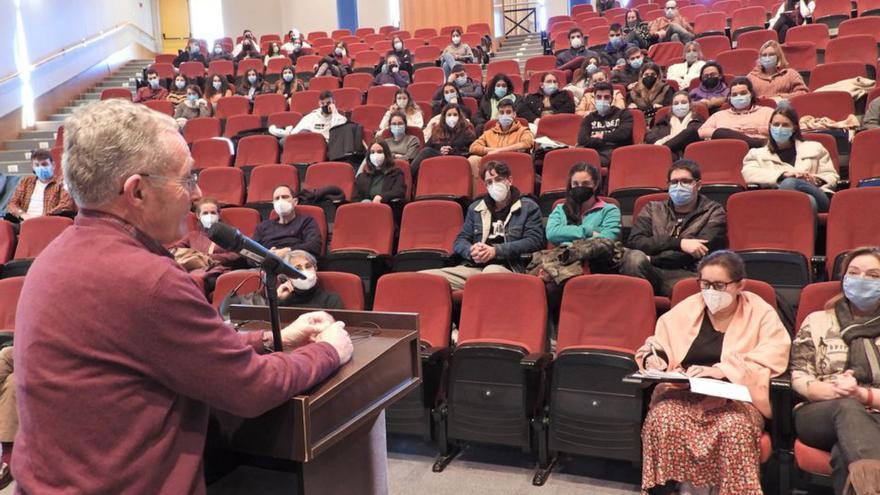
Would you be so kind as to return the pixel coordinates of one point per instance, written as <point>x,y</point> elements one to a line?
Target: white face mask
<point>377,159</point>
<point>282,207</point>
<point>498,191</point>
<point>451,121</point>
<point>716,300</point>
<point>209,219</point>
<point>305,283</point>
<point>456,40</point>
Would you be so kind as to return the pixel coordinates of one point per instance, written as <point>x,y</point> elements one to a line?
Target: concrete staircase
<point>520,48</point>
<point>15,154</point>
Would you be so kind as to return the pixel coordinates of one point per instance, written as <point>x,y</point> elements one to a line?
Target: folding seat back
<point>540,63</point>
<point>7,242</point>
<point>774,233</point>
<point>580,9</point>
<point>747,19</point>
<point>256,150</point>
<point>369,116</point>
<point>305,147</point>
<point>603,320</point>
<point>161,106</point>
<point>522,171</point>
<point>222,67</point>
<point>339,33</point>
<point>241,123</point>
<point>283,119</point>
<point>712,45</point>
<point>247,64</point>
<point>692,11</point>
<point>712,23</point>
<point>720,163</point>
<point>848,227</point>
<point>201,128</point>
<point>814,33</point>
<point>305,64</point>
<point>277,66</point>
<point>832,12</point>
<point>637,170</point>
<point>801,55</point>
<point>814,298</point>
<point>339,174</point>
<point>345,285</point>
<point>192,70</point>
<point>597,37</point>
<point>426,54</point>
<point>481,28</point>
<point>738,62</point>
<point>244,219</point>
<point>240,282</point>
<point>324,83</point>
<point>427,233</point>
<point>164,70</point>
<point>554,177</point>
<point>666,52</point>
<point>347,99</point>
<point>588,24</point>
<point>265,178</point>
<point>226,185</point>
<point>444,177</point>
<point>426,295</point>
<point>689,286</point>
<point>304,102</point>
<point>829,143</point>
<point>754,39</point>
<point>381,95</point>
<point>10,290</point>
<point>640,125</point>
<point>422,91</point>
<point>363,227</point>
<point>838,105</point>
<point>561,127</point>
<point>862,25</point>
<point>165,58</point>
<point>864,161</point>
<point>267,104</point>
<point>508,67</point>
<point>213,152</point>
<point>854,48</point>
<point>425,33</point>
<point>232,105</point>
<point>359,80</point>
<point>828,73</point>
<point>36,233</point>
<point>429,74</point>
<point>122,93</point>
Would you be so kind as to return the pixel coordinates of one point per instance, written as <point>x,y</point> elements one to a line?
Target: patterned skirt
<point>683,442</point>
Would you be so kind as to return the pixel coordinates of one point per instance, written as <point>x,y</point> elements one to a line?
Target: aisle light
<point>206,20</point>
<point>24,67</point>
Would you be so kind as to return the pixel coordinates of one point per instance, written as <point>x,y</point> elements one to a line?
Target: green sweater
<point>603,218</point>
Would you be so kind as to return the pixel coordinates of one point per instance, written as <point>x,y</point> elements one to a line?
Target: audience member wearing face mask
<point>788,161</point>
<point>177,95</point>
<point>677,128</point>
<point>456,52</point>
<point>392,74</point>
<point>288,84</point>
<point>403,103</point>
<point>685,72</point>
<point>499,88</point>
<point>587,105</point>
<point>672,26</point>
<point>744,120</point>
<point>404,56</point>
<point>379,179</point>
<point>193,106</point>
<point>651,92</point>
<point>288,230</point>
<point>199,255</point>
<point>669,238</point>
<point>628,73</point>
<point>772,77</point>
<point>571,57</point>
<point>834,369</point>
<point>40,194</point>
<point>252,84</point>
<point>192,53</point>
<point>337,63</point>
<point>320,120</point>
<point>452,136</point>
<point>403,146</point>
<point>724,332</point>
<point>153,90</point>
<point>713,90</point>
<point>508,134</point>
<point>608,127</point>
<point>547,99</point>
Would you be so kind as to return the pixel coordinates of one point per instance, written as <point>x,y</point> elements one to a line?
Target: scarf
<point>863,356</point>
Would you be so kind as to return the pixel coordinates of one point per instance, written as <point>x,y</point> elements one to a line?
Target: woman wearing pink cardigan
<point>695,443</point>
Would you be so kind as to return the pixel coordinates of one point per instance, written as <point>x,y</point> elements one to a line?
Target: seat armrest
<point>781,403</point>
<point>535,381</point>
<point>435,366</point>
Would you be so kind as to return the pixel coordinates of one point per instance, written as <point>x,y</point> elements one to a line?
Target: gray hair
<point>696,45</point>
<point>107,142</point>
<point>299,253</point>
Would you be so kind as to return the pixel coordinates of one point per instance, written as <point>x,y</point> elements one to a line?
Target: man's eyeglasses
<point>681,182</point>
<point>705,284</point>
<point>188,181</point>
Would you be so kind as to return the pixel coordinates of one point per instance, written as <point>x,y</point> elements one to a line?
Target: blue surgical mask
<point>603,106</point>
<point>740,102</point>
<point>217,85</point>
<point>154,83</point>
<point>592,68</point>
<point>398,130</point>
<point>781,134</point>
<point>615,41</point>
<point>460,81</point>
<point>549,89</point>
<point>768,62</point>
<point>287,76</point>
<point>44,173</point>
<point>636,63</point>
<point>192,98</point>
<point>180,84</point>
<point>681,194</point>
<point>252,79</point>
<point>500,91</point>
<point>863,293</point>
<point>681,109</point>
<point>450,97</point>
<point>505,120</point>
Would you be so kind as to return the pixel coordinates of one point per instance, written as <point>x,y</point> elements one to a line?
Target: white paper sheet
<point>660,375</point>
<point>718,388</point>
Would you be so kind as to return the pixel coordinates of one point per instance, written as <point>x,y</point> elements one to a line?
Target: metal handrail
<point>81,44</point>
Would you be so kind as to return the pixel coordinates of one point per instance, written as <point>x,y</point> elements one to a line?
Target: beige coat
<point>760,166</point>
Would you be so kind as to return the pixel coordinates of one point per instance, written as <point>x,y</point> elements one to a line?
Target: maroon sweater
<point>118,358</point>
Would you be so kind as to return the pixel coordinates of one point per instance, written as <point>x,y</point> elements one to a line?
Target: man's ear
<point>295,201</point>
<point>132,189</point>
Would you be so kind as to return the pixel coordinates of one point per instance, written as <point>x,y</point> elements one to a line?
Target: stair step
<point>47,125</point>
<point>44,135</point>
<point>15,155</point>
<point>29,144</point>
<point>18,167</point>
<point>59,117</point>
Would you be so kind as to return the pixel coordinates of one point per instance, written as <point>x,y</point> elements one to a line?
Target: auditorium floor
<point>490,470</point>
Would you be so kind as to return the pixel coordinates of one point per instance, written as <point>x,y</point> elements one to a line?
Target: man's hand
<point>280,252</point>
<point>598,135</point>
<point>336,336</point>
<point>304,329</point>
<point>445,149</point>
<point>695,247</point>
<point>394,108</point>
<point>285,290</point>
<point>845,385</point>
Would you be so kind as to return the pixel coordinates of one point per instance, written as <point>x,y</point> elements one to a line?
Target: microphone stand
<point>270,276</point>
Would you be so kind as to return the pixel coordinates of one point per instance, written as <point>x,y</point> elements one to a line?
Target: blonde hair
<point>107,142</point>
<point>696,45</point>
<point>781,61</point>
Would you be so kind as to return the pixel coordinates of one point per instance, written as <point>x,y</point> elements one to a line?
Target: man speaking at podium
<point>118,356</point>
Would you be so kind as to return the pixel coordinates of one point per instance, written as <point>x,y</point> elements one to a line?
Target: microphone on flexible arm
<point>231,239</point>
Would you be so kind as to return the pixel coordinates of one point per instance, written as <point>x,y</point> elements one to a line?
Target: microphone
<point>232,239</point>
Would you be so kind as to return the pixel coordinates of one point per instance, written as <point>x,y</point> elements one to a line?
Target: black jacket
<point>460,141</point>
<point>393,185</point>
<point>658,233</point>
<point>532,105</point>
<point>346,141</point>
<point>617,126</point>
<point>186,56</point>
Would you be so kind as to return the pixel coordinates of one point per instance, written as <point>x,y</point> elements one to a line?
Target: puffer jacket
<point>496,137</point>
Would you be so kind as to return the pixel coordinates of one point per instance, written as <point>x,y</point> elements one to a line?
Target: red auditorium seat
<point>222,67</point>
<point>868,8</point>
<point>246,281</point>
<point>229,106</point>
<point>161,106</point>
<point>540,63</point>
<point>854,48</point>
<point>165,71</point>
<point>247,64</point>
<point>265,178</point>
<point>303,148</point>
<point>358,80</point>
<point>241,123</point>
<point>37,233</point>
<point>423,294</point>
<point>363,236</point>
<point>201,128</point>
<point>192,70</point>
<point>637,170</point>
<point>369,116</point>
<point>256,150</point>
<point>863,162</point>
<point>7,242</point>
<point>813,33</point>
<point>381,95</point>
<point>561,127</point>
<point>508,67</point>
<point>597,37</point>
<point>837,105</point>
<point>554,176</point>
<point>738,62</point>
<point>346,285</point>
<point>756,38</point>
<point>830,144</point>
<point>848,227</point>
<point>425,33</point>
<point>720,163</point>
<point>832,12</point>
<point>212,152</point>
<point>713,23</point>
<point>444,177</point>
<point>277,65</point>
<point>347,99</point>
<point>422,91</point>
<point>429,74</point>
<point>305,64</point>
<point>165,58</point>
<point>825,74</point>
<point>426,55</point>
<point>747,19</point>
<point>324,83</point>
<point>304,102</point>
<point>244,219</point>
<point>339,174</point>
<point>801,55</point>
<point>427,232</point>
<point>666,53</point>
<point>122,93</point>
<point>284,119</point>
<point>267,104</point>
<point>226,185</point>
<point>10,290</point>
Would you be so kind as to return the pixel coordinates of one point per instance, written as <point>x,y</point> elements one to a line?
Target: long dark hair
<point>442,132</point>
<point>371,169</point>
<point>788,112</point>
<point>490,88</point>
<point>571,208</point>
<point>209,85</point>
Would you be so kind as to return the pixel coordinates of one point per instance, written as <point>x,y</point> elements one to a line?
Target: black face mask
<point>580,193</point>
<point>711,82</point>
<point>325,109</point>
<point>649,81</point>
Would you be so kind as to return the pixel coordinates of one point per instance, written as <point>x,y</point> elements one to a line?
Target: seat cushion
<point>766,447</point>
<point>812,460</point>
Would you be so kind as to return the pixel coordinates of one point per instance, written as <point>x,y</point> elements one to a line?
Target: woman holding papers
<point>834,366</point>
<point>693,443</point>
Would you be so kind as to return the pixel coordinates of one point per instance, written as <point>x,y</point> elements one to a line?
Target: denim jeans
<point>842,426</point>
<point>817,195</point>
<point>447,61</point>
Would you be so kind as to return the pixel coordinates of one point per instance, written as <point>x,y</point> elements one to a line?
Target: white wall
<point>308,15</point>
<point>373,13</point>
<point>261,16</point>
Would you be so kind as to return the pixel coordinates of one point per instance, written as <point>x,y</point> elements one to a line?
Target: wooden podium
<point>335,433</point>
